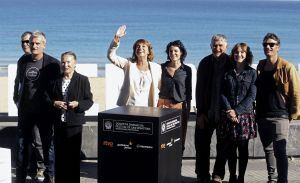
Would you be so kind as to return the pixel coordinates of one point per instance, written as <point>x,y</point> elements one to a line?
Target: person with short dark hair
<point>176,83</point>
<point>71,96</point>
<point>210,74</point>
<point>278,103</point>
<point>237,123</point>
<point>34,72</point>
<point>141,75</point>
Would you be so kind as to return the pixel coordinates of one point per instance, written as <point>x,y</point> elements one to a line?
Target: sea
<point>88,26</point>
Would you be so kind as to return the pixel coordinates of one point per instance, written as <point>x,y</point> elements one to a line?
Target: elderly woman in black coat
<point>71,96</point>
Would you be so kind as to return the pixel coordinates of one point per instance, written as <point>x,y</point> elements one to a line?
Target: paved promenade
<point>256,171</point>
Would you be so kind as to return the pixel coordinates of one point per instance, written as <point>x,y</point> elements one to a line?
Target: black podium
<point>139,145</point>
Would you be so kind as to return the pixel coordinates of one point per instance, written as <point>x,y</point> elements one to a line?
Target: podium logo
<point>163,128</point>
<point>169,144</point>
<point>107,143</point>
<point>128,146</point>
<point>122,126</point>
<point>170,124</point>
<point>107,125</point>
<point>140,146</point>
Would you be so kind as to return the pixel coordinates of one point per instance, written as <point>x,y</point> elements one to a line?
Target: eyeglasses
<point>25,41</point>
<point>270,44</point>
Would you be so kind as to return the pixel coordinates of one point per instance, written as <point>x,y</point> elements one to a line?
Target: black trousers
<point>67,143</point>
<point>184,119</point>
<point>242,147</point>
<point>26,123</point>
<point>202,145</point>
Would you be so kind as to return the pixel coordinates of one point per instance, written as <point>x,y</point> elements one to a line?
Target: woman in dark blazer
<point>71,96</point>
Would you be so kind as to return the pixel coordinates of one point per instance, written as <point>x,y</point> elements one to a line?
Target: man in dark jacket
<point>209,76</point>
<point>34,73</point>
<point>36,158</point>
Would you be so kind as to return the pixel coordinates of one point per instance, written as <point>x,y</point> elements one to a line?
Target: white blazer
<point>127,87</point>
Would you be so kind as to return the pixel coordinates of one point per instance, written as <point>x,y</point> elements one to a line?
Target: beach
<point>87,27</point>
<point>97,87</point>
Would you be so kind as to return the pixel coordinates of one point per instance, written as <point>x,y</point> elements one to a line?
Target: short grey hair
<point>218,37</point>
<point>39,34</point>
<point>25,34</point>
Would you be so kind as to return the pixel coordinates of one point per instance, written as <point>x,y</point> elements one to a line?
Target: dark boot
<point>233,179</point>
<point>216,179</point>
<point>203,180</point>
<point>241,179</point>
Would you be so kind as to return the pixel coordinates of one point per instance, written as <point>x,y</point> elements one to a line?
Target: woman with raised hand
<point>141,76</point>
<point>237,124</point>
<point>176,83</point>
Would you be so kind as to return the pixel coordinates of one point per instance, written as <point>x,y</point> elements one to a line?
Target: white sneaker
<point>40,176</point>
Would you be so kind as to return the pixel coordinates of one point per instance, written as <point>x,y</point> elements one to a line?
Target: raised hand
<point>121,31</point>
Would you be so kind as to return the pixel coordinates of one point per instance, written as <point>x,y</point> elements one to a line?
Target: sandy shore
<point>97,85</point>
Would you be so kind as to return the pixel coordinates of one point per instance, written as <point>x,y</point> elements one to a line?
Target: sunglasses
<point>270,44</point>
<point>25,41</point>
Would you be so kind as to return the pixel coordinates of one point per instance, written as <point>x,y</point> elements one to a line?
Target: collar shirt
<point>178,87</point>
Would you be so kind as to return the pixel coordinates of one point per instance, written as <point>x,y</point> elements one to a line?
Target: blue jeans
<point>25,127</point>
<point>36,157</point>
<point>273,135</point>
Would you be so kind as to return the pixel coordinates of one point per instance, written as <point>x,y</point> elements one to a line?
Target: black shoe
<point>232,179</point>
<point>241,179</point>
<point>202,180</point>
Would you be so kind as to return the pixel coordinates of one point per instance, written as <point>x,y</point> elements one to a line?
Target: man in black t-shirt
<point>34,73</point>
<point>278,102</point>
<point>36,158</point>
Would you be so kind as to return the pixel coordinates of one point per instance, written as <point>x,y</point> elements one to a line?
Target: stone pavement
<point>256,171</point>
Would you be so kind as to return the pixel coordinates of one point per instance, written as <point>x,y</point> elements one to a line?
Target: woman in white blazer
<point>141,76</point>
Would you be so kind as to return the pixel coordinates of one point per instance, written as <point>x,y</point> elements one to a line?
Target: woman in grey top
<point>176,83</point>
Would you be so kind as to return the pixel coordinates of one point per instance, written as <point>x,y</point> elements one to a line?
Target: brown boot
<point>216,179</point>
